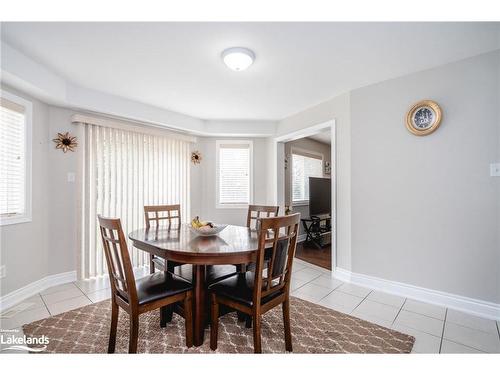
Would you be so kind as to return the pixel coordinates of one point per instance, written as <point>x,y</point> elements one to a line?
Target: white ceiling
<point>323,137</point>
<point>177,66</point>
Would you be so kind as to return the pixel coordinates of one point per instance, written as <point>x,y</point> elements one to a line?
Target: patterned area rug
<point>315,329</point>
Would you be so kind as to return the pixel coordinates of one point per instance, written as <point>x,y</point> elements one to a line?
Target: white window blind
<point>303,167</point>
<point>234,173</point>
<point>13,161</point>
<point>125,170</point>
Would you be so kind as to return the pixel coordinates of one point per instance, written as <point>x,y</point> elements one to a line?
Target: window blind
<point>304,167</point>
<point>125,170</point>
<point>12,159</point>
<point>234,173</point>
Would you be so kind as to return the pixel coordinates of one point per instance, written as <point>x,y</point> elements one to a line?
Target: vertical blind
<point>125,170</point>
<point>12,159</point>
<point>234,173</point>
<point>303,167</point>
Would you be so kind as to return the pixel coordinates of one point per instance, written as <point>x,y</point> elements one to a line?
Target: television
<point>320,196</point>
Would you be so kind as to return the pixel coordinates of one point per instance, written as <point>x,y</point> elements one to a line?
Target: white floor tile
<point>297,283</point>
<point>339,301</point>
<point>327,281</point>
<point>424,342</point>
<point>453,347</point>
<point>386,299</point>
<point>307,273</point>
<point>298,266</point>
<point>354,290</point>
<point>58,288</point>
<point>423,308</point>
<point>314,292</point>
<point>93,284</point>
<point>471,321</point>
<point>32,303</point>
<point>372,319</point>
<point>99,295</point>
<point>67,305</point>
<point>486,342</point>
<point>24,317</point>
<point>377,310</point>
<point>420,322</point>
<point>62,295</point>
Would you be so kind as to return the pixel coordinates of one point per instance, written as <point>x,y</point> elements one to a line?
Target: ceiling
<point>177,66</point>
<point>323,137</point>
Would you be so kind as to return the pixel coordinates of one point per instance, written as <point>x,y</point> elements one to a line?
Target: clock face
<point>423,118</point>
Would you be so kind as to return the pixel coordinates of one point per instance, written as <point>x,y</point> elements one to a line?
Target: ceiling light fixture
<point>238,58</point>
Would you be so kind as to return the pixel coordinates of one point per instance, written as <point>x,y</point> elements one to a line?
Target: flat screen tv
<point>320,196</point>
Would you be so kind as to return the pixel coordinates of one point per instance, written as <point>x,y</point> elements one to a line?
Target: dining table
<point>233,245</point>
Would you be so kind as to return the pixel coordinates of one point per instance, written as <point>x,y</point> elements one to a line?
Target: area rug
<point>315,329</point>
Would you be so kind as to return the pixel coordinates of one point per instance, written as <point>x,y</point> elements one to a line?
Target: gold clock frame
<point>424,103</point>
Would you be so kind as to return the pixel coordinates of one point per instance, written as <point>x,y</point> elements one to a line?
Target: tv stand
<point>316,229</point>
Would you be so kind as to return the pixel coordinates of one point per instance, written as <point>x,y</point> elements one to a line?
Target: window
<point>15,159</point>
<point>304,165</point>
<point>234,173</point>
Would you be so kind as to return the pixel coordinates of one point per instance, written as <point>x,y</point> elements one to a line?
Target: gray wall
<point>424,209</point>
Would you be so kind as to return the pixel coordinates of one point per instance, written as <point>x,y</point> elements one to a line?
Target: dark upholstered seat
<point>160,285</point>
<point>240,288</point>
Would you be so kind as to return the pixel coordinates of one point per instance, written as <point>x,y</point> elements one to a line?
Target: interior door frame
<point>306,132</point>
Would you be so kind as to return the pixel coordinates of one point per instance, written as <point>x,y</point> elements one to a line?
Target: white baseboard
<point>473,306</point>
<point>19,295</point>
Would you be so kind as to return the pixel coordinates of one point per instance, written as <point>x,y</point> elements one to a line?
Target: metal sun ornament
<point>65,142</point>
<point>196,157</point>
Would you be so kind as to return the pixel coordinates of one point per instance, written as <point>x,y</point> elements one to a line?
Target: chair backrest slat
<point>172,211</point>
<point>118,259</point>
<point>255,213</point>
<point>282,232</point>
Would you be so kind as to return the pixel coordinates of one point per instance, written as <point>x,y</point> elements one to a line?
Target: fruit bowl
<point>208,231</point>
<point>205,228</point>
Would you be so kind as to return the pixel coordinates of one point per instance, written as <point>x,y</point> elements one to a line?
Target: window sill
<point>14,220</point>
<point>300,203</point>
<point>231,206</point>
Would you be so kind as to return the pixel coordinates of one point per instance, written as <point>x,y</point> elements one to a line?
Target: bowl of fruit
<point>205,228</point>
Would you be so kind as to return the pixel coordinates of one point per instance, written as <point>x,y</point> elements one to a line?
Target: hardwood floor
<point>311,254</point>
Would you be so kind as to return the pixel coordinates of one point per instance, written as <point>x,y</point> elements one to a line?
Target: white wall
<point>424,209</point>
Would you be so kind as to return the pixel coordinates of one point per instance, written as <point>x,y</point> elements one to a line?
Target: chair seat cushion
<point>240,288</point>
<point>212,273</point>
<point>160,285</point>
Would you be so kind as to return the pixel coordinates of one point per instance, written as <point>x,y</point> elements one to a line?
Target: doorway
<point>306,184</point>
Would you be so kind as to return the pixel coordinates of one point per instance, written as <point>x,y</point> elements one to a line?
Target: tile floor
<point>436,329</point>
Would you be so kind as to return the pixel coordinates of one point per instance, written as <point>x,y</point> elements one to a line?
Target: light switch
<point>71,176</point>
<point>495,169</point>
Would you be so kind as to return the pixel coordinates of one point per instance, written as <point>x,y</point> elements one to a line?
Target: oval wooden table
<point>234,245</point>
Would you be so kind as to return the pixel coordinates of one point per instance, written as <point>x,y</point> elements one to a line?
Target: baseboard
<point>473,306</point>
<point>19,295</point>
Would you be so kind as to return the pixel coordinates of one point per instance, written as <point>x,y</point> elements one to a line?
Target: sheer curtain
<point>125,170</point>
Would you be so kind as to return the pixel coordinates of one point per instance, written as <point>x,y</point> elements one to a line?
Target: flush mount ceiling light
<point>238,58</point>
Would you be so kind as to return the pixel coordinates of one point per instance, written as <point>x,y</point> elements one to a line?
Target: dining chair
<point>255,212</point>
<point>170,213</point>
<point>137,297</point>
<point>255,292</point>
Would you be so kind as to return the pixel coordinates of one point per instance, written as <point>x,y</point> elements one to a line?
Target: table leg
<point>199,303</point>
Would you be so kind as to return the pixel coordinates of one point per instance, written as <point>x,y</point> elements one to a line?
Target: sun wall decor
<point>196,157</point>
<point>65,142</point>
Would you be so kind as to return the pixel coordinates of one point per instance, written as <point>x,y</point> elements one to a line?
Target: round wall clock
<point>424,117</point>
